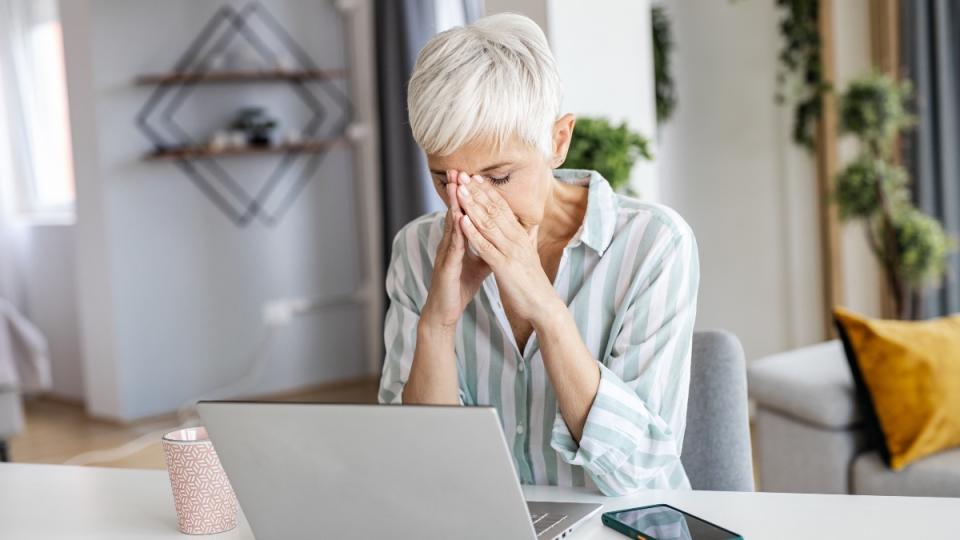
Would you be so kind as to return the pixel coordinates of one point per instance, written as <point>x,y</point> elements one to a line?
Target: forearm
<point>573,372</point>
<point>433,373</point>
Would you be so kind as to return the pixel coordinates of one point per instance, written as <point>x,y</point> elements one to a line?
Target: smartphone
<point>664,522</point>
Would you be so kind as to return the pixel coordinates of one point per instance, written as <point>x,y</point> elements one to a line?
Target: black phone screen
<point>662,522</point>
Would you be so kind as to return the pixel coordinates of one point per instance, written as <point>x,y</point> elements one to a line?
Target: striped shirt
<point>629,276</point>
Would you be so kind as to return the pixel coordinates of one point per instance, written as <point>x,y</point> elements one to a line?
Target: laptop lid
<point>368,471</point>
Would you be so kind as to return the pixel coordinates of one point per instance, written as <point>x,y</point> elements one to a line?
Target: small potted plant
<point>257,126</point>
<point>608,149</point>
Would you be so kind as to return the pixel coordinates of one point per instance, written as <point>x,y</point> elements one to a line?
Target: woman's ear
<point>562,135</point>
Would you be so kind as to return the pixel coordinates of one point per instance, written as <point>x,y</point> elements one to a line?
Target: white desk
<point>55,501</point>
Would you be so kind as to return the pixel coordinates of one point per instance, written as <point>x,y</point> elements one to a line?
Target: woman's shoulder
<point>658,236</point>
<point>637,213</point>
<point>419,236</point>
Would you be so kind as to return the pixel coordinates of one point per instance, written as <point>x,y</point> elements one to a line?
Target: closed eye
<point>499,180</point>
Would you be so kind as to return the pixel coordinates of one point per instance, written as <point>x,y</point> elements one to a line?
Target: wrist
<point>549,315</point>
<point>430,328</point>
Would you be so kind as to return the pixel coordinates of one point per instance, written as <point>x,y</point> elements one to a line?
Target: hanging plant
<point>800,77</point>
<point>911,246</point>
<point>666,92</point>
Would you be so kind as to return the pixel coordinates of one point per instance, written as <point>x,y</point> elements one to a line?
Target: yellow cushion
<point>911,371</point>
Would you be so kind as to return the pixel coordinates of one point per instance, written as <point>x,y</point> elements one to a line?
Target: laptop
<point>306,470</point>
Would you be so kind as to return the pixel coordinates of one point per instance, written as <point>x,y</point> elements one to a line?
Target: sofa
<point>810,435</point>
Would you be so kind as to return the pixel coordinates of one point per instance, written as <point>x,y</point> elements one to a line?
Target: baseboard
<point>316,387</point>
<point>284,395</point>
<point>54,398</point>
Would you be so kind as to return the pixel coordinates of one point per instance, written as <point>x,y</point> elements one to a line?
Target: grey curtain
<point>403,28</point>
<point>930,42</point>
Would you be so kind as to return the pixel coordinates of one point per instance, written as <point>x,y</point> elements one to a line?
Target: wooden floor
<point>56,431</point>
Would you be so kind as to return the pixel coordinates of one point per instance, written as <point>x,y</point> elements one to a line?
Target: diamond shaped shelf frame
<point>197,162</point>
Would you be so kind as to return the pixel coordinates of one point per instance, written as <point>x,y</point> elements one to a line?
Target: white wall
<point>170,290</point>
<point>538,10</point>
<point>95,304</point>
<point>47,254</point>
<point>729,167</point>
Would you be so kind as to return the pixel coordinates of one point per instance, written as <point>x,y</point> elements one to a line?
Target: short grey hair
<point>494,78</point>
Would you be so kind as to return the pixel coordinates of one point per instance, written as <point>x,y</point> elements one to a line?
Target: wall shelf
<point>212,77</point>
<point>205,152</point>
<point>296,163</point>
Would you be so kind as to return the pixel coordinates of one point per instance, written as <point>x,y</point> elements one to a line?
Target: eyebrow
<point>486,169</point>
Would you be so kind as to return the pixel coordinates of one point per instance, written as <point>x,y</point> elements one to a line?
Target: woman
<point>539,292</point>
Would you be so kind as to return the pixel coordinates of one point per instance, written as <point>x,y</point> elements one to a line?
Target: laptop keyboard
<point>542,522</point>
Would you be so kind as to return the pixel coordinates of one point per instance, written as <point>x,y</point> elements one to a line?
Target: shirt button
<point>520,429</point>
<point>520,366</point>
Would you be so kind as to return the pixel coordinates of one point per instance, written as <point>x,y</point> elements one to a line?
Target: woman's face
<point>522,174</point>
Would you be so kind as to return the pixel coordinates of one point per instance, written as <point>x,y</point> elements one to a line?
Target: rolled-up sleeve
<point>633,434</point>
<point>404,285</point>
<point>400,324</point>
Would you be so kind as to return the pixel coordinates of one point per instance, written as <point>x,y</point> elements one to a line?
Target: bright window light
<point>53,190</point>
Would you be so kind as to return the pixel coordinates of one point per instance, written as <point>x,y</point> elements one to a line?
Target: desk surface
<point>56,501</point>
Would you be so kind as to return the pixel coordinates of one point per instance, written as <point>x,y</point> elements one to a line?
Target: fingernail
<point>466,221</point>
<point>464,178</point>
<point>478,178</point>
<point>463,192</point>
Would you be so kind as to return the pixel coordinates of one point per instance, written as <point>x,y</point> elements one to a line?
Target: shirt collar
<point>600,219</point>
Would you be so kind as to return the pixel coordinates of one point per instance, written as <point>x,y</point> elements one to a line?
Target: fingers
<point>457,242</point>
<point>488,252</point>
<point>489,212</point>
<point>452,239</point>
<point>445,241</point>
<point>452,176</point>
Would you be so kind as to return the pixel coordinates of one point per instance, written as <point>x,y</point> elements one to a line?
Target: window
<point>37,113</point>
<point>52,190</point>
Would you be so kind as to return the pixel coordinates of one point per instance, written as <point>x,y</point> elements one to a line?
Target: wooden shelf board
<point>205,152</point>
<point>239,76</point>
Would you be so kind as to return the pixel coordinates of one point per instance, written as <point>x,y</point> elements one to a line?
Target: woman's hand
<point>493,230</point>
<point>457,274</point>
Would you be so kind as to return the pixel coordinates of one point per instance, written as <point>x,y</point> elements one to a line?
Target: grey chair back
<point>716,444</point>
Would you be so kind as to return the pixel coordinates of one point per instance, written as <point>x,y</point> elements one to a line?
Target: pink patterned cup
<point>202,493</point>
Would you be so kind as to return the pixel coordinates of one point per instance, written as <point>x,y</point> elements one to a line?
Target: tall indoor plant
<point>911,246</point>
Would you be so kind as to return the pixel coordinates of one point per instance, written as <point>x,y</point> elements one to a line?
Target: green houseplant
<point>911,246</point>
<point>608,149</point>
<point>800,77</point>
<point>664,88</point>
